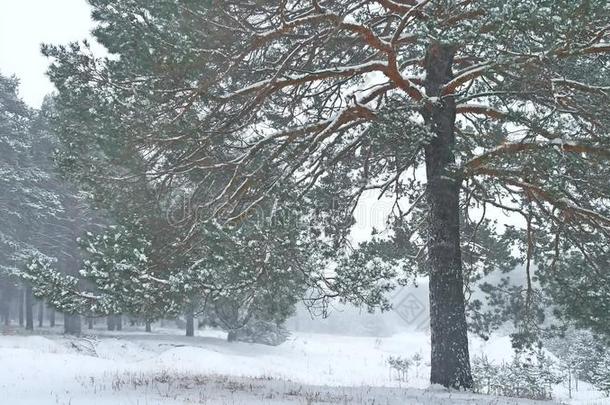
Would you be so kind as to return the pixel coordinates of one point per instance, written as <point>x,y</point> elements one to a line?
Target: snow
<point>374,65</point>
<point>132,367</point>
<point>464,76</point>
<point>479,107</point>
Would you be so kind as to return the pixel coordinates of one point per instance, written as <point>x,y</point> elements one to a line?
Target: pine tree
<point>141,267</point>
<point>20,203</point>
<point>579,283</point>
<point>501,103</point>
<point>40,215</point>
<point>27,201</point>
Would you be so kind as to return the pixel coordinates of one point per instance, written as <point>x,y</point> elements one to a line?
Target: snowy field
<point>132,367</point>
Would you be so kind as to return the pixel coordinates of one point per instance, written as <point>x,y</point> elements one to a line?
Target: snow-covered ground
<point>133,367</point>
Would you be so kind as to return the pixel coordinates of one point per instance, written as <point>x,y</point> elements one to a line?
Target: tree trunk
<point>21,304</point>
<point>190,323</point>
<point>90,323</point>
<point>118,321</point>
<point>72,324</point>
<point>450,362</point>
<point>110,322</point>
<point>6,311</point>
<point>40,313</point>
<point>29,310</point>
<point>148,327</point>
<point>51,312</point>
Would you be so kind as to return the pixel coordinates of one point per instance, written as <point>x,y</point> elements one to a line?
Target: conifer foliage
<point>40,215</point>
<point>502,104</point>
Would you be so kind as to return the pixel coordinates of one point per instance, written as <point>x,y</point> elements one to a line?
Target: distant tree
<point>40,313</point>
<point>156,260</point>
<point>29,309</point>
<point>585,356</point>
<point>579,283</point>
<point>39,213</point>
<point>18,175</point>
<point>256,271</point>
<point>27,201</point>
<point>190,322</point>
<point>20,202</point>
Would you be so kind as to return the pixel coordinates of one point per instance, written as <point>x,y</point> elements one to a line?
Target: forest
<point>247,191</point>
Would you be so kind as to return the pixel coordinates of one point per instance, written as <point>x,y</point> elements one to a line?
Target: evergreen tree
<point>39,213</point>
<point>117,265</point>
<point>28,201</point>
<point>585,356</point>
<point>579,282</point>
<point>23,201</point>
<point>501,103</point>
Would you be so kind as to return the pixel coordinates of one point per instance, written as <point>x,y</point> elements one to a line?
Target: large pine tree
<point>455,105</point>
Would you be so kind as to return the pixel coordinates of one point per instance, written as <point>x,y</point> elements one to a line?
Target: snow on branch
<point>464,77</point>
<point>597,48</point>
<point>273,84</point>
<point>567,206</point>
<point>399,7</point>
<point>582,86</point>
<point>368,35</point>
<point>480,109</point>
<point>471,167</point>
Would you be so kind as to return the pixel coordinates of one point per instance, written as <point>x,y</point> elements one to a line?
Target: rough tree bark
<point>29,310</point>
<point>450,362</point>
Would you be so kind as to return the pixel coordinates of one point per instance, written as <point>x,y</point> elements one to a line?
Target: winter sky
<point>24,25</point>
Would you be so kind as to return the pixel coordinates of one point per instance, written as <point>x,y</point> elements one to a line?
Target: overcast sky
<point>24,25</point>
